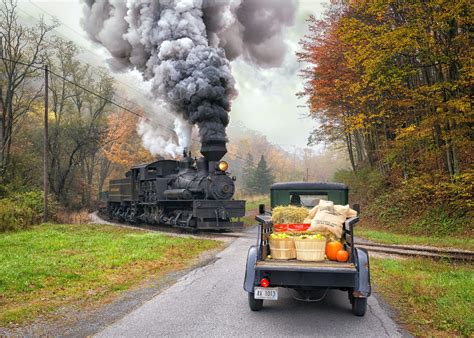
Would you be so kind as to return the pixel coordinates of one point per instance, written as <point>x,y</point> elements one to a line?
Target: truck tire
<point>359,306</point>
<point>255,304</point>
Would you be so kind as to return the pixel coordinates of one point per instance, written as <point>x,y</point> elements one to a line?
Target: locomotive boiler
<point>190,193</point>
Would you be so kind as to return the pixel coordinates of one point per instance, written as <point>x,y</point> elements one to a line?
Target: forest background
<point>92,140</point>
<point>392,80</point>
<point>387,84</point>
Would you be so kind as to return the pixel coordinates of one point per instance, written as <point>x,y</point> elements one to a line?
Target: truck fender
<point>249,281</point>
<point>363,267</point>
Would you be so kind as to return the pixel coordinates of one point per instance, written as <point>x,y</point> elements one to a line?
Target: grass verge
<point>50,265</point>
<point>253,202</point>
<point>251,208</point>
<point>433,298</point>
<point>387,237</point>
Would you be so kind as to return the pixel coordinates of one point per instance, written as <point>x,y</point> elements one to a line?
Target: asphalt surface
<point>210,301</point>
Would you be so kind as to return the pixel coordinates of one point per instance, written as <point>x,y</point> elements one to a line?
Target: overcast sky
<point>266,100</point>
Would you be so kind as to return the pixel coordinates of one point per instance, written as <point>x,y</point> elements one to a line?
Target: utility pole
<point>307,174</point>
<point>1,108</point>
<point>45,148</point>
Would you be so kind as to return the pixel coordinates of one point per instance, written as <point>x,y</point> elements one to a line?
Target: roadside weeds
<point>431,298</point>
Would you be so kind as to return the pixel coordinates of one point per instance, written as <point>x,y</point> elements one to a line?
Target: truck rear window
<point>308,201</point>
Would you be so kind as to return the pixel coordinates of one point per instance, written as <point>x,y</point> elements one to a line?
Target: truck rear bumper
<point>310,279</point>
<point>298,274</point>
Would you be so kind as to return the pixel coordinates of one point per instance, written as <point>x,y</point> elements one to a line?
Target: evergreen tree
<point>263,177</point>
<point>248,173</point>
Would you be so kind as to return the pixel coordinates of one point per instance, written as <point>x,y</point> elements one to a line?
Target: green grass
<point>49,265</point>
<point>253,202</point>
<point>387,237</point>
<point>432,297</point>
<point>251,208</point>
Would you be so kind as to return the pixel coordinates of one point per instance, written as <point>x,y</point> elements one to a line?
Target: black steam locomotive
<point>193,194</point>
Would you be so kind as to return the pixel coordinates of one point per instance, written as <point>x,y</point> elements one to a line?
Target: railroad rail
<point>418,251</point>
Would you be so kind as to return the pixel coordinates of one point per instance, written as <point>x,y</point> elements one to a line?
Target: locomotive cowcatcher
<point>190,193</point>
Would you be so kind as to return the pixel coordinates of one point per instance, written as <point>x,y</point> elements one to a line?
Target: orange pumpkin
<point>332,248</point>
<point>342,256</point>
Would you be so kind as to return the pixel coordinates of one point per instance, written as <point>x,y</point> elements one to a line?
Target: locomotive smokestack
<point>213,150</point>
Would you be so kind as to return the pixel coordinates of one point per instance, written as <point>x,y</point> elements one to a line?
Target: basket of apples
<point>282,246</point>
<point>310,247</point>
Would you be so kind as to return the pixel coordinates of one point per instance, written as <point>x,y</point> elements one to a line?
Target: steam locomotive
<point>190,193</point>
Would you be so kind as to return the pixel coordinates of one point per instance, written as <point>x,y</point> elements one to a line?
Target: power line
<point>80,35</point>
<point>79,86</point>
<point>91,52</point>
<point>97,95</point>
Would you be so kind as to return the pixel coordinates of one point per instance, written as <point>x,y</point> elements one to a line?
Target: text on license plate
<point>266,293</point>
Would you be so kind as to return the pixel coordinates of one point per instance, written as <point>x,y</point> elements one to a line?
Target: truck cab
<point>265,276</point>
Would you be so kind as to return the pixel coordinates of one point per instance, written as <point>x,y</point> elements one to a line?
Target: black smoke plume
<point>184,47</point>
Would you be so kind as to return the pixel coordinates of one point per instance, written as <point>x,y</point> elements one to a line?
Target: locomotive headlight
<point>223,166</point>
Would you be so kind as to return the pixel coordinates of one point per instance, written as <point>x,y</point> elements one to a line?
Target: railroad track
<point>418,251</point>
<point>98,218</point>
<point>390,249</point>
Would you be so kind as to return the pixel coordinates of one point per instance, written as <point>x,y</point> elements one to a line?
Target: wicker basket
<point>310,250</point>
<point>282,248</point>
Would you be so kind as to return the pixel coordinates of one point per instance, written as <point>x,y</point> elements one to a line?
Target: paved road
<point>210,301</point>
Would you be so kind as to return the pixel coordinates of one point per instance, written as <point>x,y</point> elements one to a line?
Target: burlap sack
<point>330,218</point>
<point>325,205</point>
<point>345,210</point>
<point>351,213</point>
<point>313,212</point>
<point>326,220</point>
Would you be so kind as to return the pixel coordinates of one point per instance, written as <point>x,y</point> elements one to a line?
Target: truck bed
<point>301,266</point>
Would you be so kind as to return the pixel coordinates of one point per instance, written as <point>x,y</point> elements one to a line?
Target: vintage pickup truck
<point>264,276</point>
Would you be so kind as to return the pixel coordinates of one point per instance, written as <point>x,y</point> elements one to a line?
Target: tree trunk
<point>350,151</point>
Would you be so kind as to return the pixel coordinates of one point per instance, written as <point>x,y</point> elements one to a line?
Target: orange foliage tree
<point>121,146</point>
<point>392,80</point>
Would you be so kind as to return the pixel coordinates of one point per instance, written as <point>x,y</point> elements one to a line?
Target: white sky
<point>266,100</point>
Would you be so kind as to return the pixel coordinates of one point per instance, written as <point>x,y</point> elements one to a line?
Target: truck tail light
<point>264,282</point>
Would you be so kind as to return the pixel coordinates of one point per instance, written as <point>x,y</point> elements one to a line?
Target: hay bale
<point>289,215</point>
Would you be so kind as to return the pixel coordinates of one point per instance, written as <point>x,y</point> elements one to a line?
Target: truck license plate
<point>266,293</point>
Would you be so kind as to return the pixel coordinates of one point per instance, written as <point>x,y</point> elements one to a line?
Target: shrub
<point>64,216</point>
<point>23,209</point>
<point>15,217</point>
<point>424,204</point>
<point>364,185</point>
<point>34,201</point>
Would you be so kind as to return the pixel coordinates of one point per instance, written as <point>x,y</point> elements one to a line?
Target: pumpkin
<point>342,256</point>
<point>332,248</point>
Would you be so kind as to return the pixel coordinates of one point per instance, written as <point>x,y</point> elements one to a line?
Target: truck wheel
<point>255,304</point>
<point>359,306</point>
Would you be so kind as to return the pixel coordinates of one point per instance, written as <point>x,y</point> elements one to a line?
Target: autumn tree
<point>22,52</point>
<point>78,122</point>
<point>121,146</point>
<point>392,81</point>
